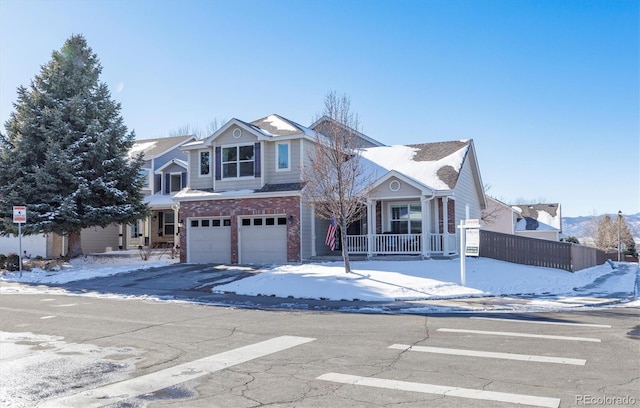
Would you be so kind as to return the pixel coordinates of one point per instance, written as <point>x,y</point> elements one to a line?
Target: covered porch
<point>425,226</point>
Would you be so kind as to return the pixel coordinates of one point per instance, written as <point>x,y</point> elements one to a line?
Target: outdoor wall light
<point>290,219</point>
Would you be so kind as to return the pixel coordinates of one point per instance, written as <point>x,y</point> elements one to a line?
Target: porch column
<point>371,226</point>
<point>313,230</point>
<point>426,241</point>
<point>445,225</point>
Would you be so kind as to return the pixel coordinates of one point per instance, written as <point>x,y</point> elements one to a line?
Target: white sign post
<point>469,244</point>
<point>20,217</point>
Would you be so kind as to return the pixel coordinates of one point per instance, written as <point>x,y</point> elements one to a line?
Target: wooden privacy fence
<point>538,252</point>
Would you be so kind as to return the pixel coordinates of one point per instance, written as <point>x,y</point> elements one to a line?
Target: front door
<point>136,235</point>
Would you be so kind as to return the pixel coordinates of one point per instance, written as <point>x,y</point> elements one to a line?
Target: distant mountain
<point>584,227</point>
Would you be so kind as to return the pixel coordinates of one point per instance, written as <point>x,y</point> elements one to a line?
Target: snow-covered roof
<point>151,148</point>
<point>545,214</point>
<point>276,125</point>
<point>435,165</point>
<point>159,200</point>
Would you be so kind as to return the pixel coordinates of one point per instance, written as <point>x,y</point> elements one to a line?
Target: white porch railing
<point>400,244</point>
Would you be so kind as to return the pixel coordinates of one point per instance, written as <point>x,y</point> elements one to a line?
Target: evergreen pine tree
<point>65,153</point>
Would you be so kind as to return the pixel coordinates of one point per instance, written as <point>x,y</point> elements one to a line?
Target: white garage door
<point>263,240</point>
<point>209,240</point>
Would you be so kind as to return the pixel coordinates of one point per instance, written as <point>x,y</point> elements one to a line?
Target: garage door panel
<point>263,243</point>
<point>209,241</point>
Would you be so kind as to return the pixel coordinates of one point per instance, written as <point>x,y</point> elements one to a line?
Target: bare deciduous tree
<point>188,129</point>
<point>336,181</point>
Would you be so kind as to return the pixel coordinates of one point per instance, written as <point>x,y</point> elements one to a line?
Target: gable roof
<point>435,165</point>
<point>325,119</point>
<point>170,163</point>
<point>276,125</point>
<point>152,148</point>
<point>546,216</point>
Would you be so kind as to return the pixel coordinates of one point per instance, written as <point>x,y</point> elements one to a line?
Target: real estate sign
<point>19,214</point>
<point>472,241</point>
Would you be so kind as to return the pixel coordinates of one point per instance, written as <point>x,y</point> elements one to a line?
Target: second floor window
<point>283,156</point>
<point>238,161</point>
<point>205,163</point>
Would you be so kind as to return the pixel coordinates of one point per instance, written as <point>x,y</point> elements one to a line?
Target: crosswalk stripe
<point>529,335</point>
<point>489,354</point>
<point>444,390</point>
<point>158,380</point>
<point>606,326</point>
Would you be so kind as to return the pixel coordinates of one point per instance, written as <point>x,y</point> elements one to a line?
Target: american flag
<point>331,235</point>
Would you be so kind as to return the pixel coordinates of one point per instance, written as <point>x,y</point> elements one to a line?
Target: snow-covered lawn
<point>378,280</point>
<point>429,279</point>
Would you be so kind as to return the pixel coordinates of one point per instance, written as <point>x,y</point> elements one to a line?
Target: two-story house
<point>244,201</point>
<point>165,170</point>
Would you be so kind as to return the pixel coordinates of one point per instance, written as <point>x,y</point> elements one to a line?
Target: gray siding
<point>383,191</point>
<point>306,238</point>
<point>466,193</point>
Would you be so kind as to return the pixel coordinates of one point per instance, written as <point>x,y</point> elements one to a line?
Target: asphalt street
<point>79,351</point>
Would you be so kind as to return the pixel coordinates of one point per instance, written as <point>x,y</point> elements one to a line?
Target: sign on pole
<point>472,247</point>
<point>19,214</point>
<point>20,217</point>
<point>469,244</point>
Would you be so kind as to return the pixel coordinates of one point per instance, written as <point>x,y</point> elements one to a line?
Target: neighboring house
<point>499,217</point>
<point>542,221</point>
<point>166,171</point>
<point>244,200</point>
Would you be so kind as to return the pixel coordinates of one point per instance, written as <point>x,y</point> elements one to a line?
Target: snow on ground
<point>377,280</point>
<point>429,279</point>
<point>86,268</point>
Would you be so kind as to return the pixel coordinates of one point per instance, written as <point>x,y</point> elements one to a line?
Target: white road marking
<point>146,384</point>
<point>512,334</point>
<point>47,317</point>
<point>489,354</point>
<point>606,326</point>
<point>442,390</point>
<point>47,300</point>
<point>66,305</point>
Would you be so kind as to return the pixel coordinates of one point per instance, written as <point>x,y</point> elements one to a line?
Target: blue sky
<point>548,90</point>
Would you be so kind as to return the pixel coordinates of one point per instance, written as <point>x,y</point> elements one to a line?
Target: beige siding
<point>547,235</point>
<point>228,138</point>
<point>402,190</point>
<point>196,181</point>
<point>499,218</point>
<point>269,158</point>
<point>98,239</point>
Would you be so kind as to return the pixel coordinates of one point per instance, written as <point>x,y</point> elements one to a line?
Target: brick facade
<point>234,208</point>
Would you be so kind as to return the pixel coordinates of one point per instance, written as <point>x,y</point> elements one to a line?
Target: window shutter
<point>218,160</point>
<point>256,164</point>
<point>167,183</point>
<point>160,223</point>
<point>184,180</point>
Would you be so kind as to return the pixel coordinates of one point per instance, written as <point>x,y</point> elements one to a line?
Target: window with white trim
<point>238,161</point>
<point>146,178</point>
<point>406,219</point>
<point>204,163</point>
<point>283,156</point>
